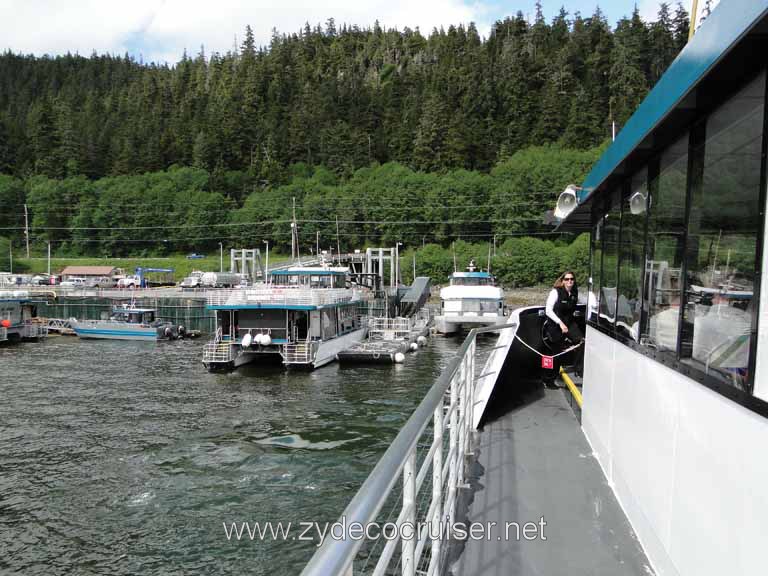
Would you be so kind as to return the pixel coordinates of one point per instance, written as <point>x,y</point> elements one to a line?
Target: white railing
<point>218,351</point>
<point>34,330</point>
<point>389,328</point>
<point>283,295</point>
<point>434,443</point>
<point>298,353</point>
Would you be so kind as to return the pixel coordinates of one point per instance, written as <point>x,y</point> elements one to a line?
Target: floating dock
<point>389,339</point>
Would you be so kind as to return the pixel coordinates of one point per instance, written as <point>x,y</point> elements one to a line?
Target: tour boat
<point>471,300</point>
<point>302,318</point>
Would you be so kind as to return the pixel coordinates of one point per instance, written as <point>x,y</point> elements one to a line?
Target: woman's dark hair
<point>559,282</point>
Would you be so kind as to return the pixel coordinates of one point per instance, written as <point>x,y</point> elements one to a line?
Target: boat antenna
<point>489,258</point>
<point>454,256</point>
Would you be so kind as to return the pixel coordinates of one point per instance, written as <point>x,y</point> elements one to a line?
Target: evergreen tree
<point>681,27</point>
<point>662,43</point>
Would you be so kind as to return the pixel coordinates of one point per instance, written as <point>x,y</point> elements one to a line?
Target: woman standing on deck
<point>560,327</point>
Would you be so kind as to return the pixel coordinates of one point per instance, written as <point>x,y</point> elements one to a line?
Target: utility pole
<point>26,227</point>
<point>294,235</point>
<point>49,258</point>
<point>338,245</point>
<point>317,244</point>
<point>266,273</point>
<point>10,257</point>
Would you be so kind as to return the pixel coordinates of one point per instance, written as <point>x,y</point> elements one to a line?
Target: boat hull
<point>114,331</point>
<point>450,324</point>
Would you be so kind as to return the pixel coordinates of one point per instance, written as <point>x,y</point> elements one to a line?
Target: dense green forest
<point>397,135</point>
<point>341,98</point>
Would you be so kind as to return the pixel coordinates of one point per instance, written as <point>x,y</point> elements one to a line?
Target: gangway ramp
<point>416,297</point>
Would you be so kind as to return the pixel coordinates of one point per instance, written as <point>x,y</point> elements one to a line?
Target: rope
<point>532,349</point>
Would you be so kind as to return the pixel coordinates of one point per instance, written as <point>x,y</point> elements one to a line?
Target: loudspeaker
<point>638,203</point>
<point>567,202</point>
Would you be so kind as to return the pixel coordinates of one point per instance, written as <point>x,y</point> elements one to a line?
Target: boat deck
<point>533,462</point>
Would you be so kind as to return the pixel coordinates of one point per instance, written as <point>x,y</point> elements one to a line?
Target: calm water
<point>127,457</point>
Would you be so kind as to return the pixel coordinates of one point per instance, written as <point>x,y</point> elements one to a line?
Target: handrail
<point>571,386</point>
<point>335,556</point>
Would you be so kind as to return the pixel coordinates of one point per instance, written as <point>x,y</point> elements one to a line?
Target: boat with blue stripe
<point>128,323</point>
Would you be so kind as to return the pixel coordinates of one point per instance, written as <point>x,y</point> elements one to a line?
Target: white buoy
<point>414,346</point>
<point>258,339</point>
<point>266,339</point>
<point>246,341</point>
<point>399,358</point>
<point>422,340</point>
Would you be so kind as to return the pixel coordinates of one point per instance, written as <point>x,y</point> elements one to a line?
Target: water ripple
<point>125,458</point>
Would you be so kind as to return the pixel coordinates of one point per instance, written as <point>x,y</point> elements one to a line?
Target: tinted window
<point>723,229</point>
<point>596,262</point>
<point>633,218</point>
<point>666,242</point>
<point>609,276</point>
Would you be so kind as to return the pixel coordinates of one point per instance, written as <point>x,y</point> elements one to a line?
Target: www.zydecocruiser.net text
<point>317,532</point>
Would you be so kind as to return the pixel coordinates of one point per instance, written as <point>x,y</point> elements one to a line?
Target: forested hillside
<point>338,97</point>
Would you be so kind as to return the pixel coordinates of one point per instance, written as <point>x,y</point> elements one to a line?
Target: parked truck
<point>221,279</point>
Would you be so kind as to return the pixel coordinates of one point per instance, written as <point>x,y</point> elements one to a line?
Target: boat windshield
<point>471,281</point>
<point>309,280</point>
<point>134,317</point>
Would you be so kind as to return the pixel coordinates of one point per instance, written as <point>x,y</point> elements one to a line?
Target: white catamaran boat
<point>472,300</point>
<point>302,318</point>
<point>128,323</point>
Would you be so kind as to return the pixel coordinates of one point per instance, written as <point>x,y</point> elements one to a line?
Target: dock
<point>389,340</point>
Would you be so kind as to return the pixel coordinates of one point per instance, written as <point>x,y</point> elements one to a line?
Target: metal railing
<point>218,351</point>
<point>298,353</point>
<point>3,334</point>
<point>32,330</point>
<point>426,509</point>
<point>283,295</point>
<point>389,328</point>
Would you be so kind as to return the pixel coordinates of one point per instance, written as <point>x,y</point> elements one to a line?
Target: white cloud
<point>161,30</point>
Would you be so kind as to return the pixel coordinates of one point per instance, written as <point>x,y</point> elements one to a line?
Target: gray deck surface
<point>537,463</point>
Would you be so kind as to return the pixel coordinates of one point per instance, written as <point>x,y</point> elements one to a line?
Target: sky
<point>161,30</point>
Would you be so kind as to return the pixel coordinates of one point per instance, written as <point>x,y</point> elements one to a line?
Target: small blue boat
<point>127,323</point>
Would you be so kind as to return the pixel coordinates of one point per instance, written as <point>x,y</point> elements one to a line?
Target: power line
<point>310,238</point>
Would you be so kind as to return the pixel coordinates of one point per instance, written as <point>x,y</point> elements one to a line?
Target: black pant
<point>558,341</point>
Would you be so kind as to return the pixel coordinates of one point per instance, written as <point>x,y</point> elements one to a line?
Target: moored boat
<point>471,300</point>
<point>18,317</point>
<point>302,318</point>
<point>128,323</point>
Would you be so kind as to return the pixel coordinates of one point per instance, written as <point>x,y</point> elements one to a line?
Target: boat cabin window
<point>675,246</point>
<point>609,274</point>
<point>310,280</point>
<point>471,281</point>
<point>723,228</point>
<point>665,244</point>
<point>596,265</point>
